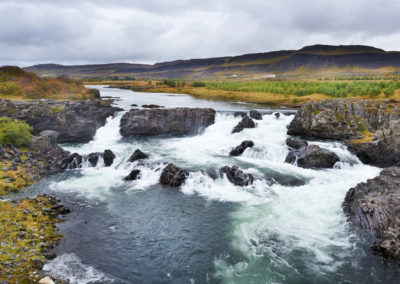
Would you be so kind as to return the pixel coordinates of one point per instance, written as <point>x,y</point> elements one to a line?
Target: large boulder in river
<point>137,155</point>
<point>71,162</point>
<point>296,143</point>
<point>173,176</point>
<point>133,175</point>
<point>312,157</point>
<point>176,121</point>
<point>374,206</point>
<point>255,114</point>
<point>236,176</point>
<point>238,150</point>
<point>108,157</point>
<point>246,122</point>
<point>75,121</point>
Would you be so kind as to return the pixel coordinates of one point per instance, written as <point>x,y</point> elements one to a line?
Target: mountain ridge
<point>307,60</point>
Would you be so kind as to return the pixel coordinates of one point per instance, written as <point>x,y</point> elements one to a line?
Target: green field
<point>304,88</point>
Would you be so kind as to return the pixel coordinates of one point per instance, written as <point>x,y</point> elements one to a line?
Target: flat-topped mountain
<point>315,59</point>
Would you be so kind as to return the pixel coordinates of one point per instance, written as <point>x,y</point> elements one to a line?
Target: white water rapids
<point>288,227</point>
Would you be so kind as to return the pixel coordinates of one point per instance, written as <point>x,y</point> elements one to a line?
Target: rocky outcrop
<point>137,155</point>
<point>238,150</point>
<point>246,122</point>
<point>173,176</point>
<point>236,176</point>
<point>374,206</point>
<point>342,119</point>
<point>133,175</point>
<point>73,161</point>
<point>296,143</point>
<point>176,121</point>
<point>370,130</point>
<point>255,114</point>
<point>108,157</point>
<point>75,121</point>
<point>312,157</point>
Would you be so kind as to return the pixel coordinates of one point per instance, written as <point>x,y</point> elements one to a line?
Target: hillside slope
<point>308,60</point>
<point>16,83</point>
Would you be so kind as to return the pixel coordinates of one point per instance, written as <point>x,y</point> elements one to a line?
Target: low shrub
<point>14,132</point>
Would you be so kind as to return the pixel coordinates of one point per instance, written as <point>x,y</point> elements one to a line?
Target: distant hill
<point>16,83</point>
<point>315,59</point>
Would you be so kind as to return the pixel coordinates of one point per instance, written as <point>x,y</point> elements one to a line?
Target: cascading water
<point>287,227</point>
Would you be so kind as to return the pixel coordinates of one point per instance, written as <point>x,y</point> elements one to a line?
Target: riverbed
<point>287,227</point>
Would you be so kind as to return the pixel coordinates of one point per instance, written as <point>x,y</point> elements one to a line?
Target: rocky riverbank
<point>371,131</point>
<point>74,121</point>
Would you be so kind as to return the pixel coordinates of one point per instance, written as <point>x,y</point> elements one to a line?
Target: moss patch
<point>27,232</point>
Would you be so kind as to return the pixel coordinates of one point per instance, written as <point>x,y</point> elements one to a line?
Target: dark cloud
<point>75,32</point>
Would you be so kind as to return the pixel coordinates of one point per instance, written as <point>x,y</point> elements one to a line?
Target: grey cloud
<point>75,32</point>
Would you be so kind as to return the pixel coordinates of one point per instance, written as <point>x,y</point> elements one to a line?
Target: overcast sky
<point>102,31</point>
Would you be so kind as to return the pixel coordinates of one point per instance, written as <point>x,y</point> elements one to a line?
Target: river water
<point>288,227</point>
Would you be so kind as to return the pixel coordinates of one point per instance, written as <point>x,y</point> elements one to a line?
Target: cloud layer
<point>100,31</point>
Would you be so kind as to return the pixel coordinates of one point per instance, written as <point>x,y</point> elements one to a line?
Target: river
<point>288,227</point>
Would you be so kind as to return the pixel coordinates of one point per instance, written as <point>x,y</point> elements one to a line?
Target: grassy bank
<point>270,92</point>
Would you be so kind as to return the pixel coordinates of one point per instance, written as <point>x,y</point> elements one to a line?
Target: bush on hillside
<point>14,132</point>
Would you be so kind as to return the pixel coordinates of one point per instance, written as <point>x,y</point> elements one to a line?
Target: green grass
<point>304,88</point>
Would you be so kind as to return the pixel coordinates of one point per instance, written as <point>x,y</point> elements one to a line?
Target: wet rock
<point>137,155</point>
<point>246,122</point>
<point>374,206</point>
<point>255,114</point>
<point>72,162</point>
<point>173,176</point>
<point>133,175</point>
<point>93,158</point>
<point>108,157</point>
<point>296,143</point>
<point>177,121</point>
<point>236,176</point>
<point>312,157</point>
<point>277,115</point>
<point>151,106</point>
<point>241,148</point>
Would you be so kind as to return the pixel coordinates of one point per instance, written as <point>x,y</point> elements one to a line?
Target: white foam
<point>70,267</point>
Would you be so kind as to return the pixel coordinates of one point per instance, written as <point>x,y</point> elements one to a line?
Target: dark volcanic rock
<point>255,114</point>
<point>341,119</point>
<point>277,115</point>
<point>241,148</point>
<point>374,206</point>
<point>133,175</point>
<point>108,157</point>
<point>137,155</point>
<point>246,122</point>
<point>75,121</point>
<point>47,154</point>
<point>173,176</point>
<point>236,176</point>
<point>312,157</point>
<point>72,162</point>
<point>371,130</point>
<point>93,158</point>
<point>296,143</point>
<point>177,121</point>
<point>151,106</point>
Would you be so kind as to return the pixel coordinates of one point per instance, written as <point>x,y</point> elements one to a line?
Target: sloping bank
<point>28,226</point>
<point>371,130</point>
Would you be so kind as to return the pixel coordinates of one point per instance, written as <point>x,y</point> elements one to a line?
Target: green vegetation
<point>171,83</point>
<point>14,132</point>
<point>305,88</point>
<point>198,84</point>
